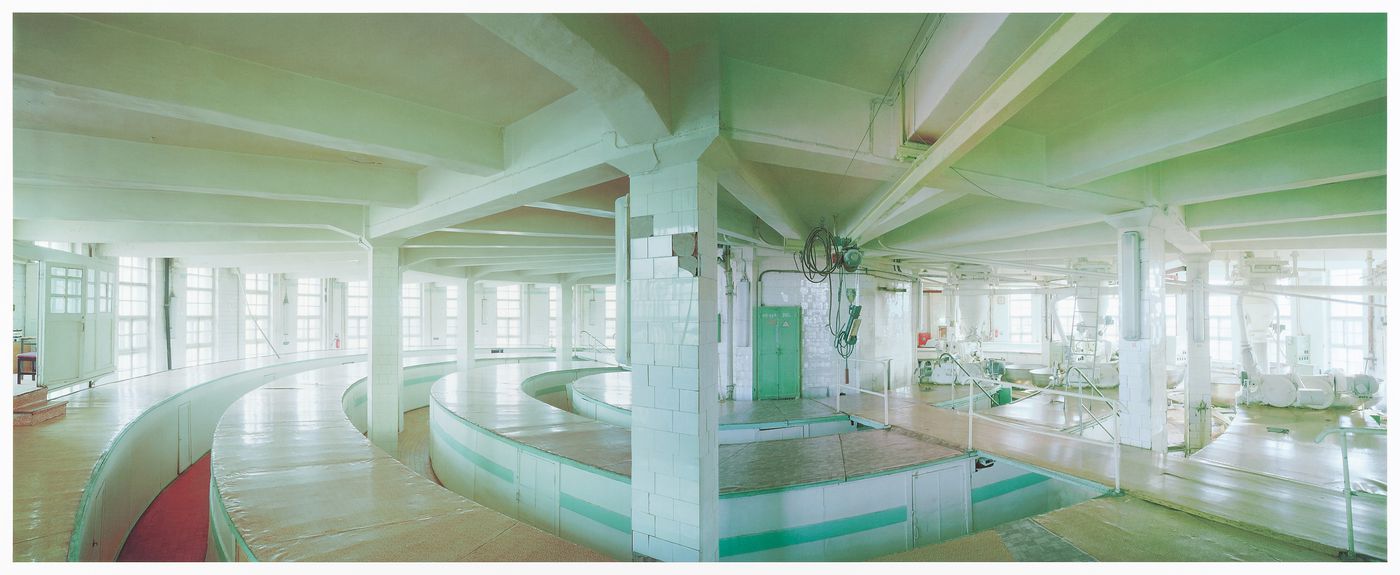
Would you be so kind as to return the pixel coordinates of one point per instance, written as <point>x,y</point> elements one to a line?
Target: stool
<point>28,364</point>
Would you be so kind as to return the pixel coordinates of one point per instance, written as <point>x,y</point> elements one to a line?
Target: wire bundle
<point>816,259</point>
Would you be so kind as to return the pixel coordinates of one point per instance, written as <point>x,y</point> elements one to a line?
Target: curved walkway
<point>295,481</point>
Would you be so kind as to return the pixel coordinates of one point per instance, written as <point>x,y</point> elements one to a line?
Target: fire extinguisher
<point>337,341</point>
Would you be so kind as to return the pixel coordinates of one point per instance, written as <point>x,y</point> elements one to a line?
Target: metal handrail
<point>597,347</point>
<point>949,357</point>
<point>1346,472</point>
<point>859,390</point>
<point>1113,403</point>
<point>1097,391</point>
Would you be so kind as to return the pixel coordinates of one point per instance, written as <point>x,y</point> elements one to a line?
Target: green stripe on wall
<point>476,458</point>
<point>607,517</point>
<point>1003,487</point>
<point>754,542</point>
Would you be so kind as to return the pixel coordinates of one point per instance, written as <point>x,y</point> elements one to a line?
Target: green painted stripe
<point>755,542</point>
<point>1005,486</point>
<point>476,458</point>
<point>781,423</point>
<point>607,517</point>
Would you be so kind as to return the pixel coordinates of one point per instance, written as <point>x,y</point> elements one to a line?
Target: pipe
<point>166,264</point>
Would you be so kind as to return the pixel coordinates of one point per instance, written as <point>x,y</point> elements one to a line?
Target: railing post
<point>887,390</point>
<point>1117,453</point>
<point>971,400</point>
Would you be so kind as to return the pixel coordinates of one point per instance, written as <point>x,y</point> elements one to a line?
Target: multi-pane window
<point>1346,325</point>
<point>133,317</point>
<point>65,290</point>
<point>412,304</point>
<point>610,316</point>
<point>1022,319</point>
<point>452,307</point>
<point>357,315</point>
<point>99,292</point>
<point>257,294</point>
<point>309,291</point>
<point>508,316</point>
<point>199,316</point>
<point>1221,314</point>
<point>553,316</point>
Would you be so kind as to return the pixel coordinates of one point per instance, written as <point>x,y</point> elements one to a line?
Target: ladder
<point>1084,337</point>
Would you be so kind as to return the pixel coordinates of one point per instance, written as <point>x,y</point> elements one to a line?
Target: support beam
<point>1066,239</point>
<point>1335,152</point>
<point>72,57</point>
<point>1069,39</point>
<point>976,220</point>
<point>109,205</point>
<point>93,232</point>
<point>565,328</point>
<point>1344,199</point>
<point>923,202</point>
<point>611,57</point>
<point>311,250</point>
<point>493,241</point>
<point>466,324</point>
<point>1372,242</point>
<point>1353,226</point>
<point>1325,64</point>
<point>535,222</point>
<point>1018,190</point>
<point>754,188</point>
<point>1198,402</point>
<point>53,158</point>
<point>1142,355</point>
<point>599,263</point>
<point>596,201</point>
<point>448,256</point>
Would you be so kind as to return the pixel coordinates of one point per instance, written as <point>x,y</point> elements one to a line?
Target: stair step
<point>32,396</point>
<point>39,413</point>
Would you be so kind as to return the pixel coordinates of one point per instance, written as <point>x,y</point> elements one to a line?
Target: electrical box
<point>1298,349</point>
<point>777,352</point>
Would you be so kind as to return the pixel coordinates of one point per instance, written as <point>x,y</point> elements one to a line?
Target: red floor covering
<point>176,525</point>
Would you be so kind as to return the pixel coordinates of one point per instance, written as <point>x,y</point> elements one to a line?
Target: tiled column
<point>1142,355</point>
<point>622,340</point>
<point>675,448</point>
<point>466,324</point>
<point>566,322</point>
<point>1198,406</point>
<point>385,345</point>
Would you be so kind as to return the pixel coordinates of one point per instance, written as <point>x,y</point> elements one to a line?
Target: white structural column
<point>385,345</point>
<point>566,322</point>
<point>1198,406</point>
<point>675,399</point>
<point>466,324</point>
<point>622,340</point>
<point>1142,309</point>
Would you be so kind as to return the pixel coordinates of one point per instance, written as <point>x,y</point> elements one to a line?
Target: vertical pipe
<point>970,402</point>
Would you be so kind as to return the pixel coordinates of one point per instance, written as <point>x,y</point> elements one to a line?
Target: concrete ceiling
<point>444,61</point>
<point>495,145</point>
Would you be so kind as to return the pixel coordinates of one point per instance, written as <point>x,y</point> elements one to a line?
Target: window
<point>309,314</point>
<point>133,317</point>
<point>199,316</point>
<point>1346,325</point>
<point>1021,314</point>
<point>65,290</point>
<point>357,315</point>
<point>1170,313</point>
<point>452,306</point>
<point>508,316</point>
<point>553,316</point>
<point>62,246</point>
<point>610,316</point>
<point>99,291</point>
<point>412,304</point>
<point>1222,327</point>
<point>257,294</point>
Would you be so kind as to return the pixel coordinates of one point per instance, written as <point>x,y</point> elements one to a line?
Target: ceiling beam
<point>70,203</point>
<point>613,58</point>
<point>598,201</point>
<point>1335,152</point>
<point>53,158</point>
<point>1327,63</point>
<point>754,188</point>
<point>1068,40</point>
<point>1018,190</point>
<point>213,249</point>
<point>493,241</point>
<point>1344,199</point>
<point>557,268</point>
<point>972,51</point>
<point>922,202</point>
<point>1353,226</point>
<point>73,58</point>
<point>1067,240</point>
<point>977,220</point>
<point>527,221</point>
<point>95,232</point>
<point>1367,242</point>
<point>450,255</point>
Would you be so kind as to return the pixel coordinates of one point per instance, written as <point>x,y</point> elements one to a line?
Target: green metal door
<point>778,352</point>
